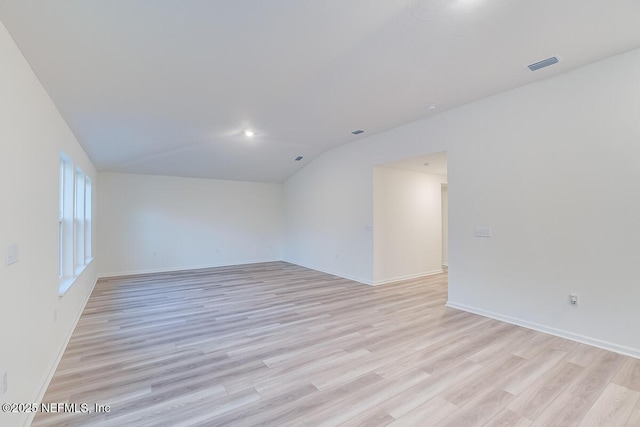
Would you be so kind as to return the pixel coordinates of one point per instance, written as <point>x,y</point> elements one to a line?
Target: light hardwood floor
<point>280,345</point>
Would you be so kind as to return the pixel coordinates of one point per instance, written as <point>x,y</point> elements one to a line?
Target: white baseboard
<point>407,277</point>
<point>605,345</point>
<point>181,268</point>
<point>56,362</point>
<point>333,273</point>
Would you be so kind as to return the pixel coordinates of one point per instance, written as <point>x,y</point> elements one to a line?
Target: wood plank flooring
<point>275,344</point>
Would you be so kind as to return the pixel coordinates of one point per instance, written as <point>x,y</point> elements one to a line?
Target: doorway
<point>410,218</point>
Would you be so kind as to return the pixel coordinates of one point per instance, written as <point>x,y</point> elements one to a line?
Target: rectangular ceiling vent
<point>544,63</point>
<point>297,159</point>
<point>357,131</point>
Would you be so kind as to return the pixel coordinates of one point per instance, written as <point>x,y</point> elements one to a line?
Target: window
<point>78,221</point>
<point>87,219</point>
<point>74,222</point>
<point>65,219</point>
<point>61,220</point>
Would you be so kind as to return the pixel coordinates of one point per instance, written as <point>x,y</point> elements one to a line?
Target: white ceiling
<point>168,86</point>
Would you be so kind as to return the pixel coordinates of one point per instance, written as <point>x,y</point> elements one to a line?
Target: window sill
<point>67,282</point>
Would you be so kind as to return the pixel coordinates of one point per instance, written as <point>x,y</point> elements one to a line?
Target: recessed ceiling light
<point>357,131</point>
<point>249,133</point>
<point>432,107</point>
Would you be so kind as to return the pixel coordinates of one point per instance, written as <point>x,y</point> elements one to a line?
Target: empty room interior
<point>305,213</point>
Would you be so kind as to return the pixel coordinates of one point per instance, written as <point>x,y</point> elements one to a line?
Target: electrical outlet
<point>573,299</point>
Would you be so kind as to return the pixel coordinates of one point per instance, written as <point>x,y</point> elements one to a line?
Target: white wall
<point>328,212</point>
<point>159,223</point>
<point>407,218</point>
<point>32,135</point>
<point>552,167</point>
<point>328,205</point>
<point>553,170</point>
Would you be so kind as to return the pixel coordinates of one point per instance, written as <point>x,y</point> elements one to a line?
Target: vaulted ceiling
<point>169,86</point>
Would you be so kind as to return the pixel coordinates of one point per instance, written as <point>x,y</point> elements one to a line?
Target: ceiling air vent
<point>543,63</point>
<point>297,159</point>
<point>357,131</point>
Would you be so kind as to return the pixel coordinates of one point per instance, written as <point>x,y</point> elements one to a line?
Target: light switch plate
<point>482,232</point>
<point>12,254</point>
